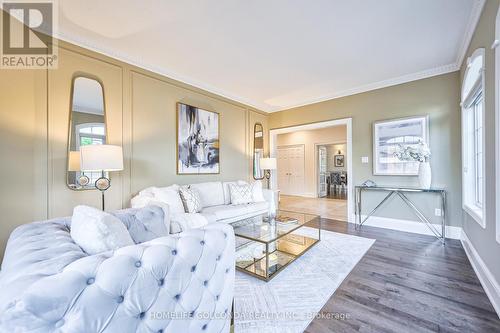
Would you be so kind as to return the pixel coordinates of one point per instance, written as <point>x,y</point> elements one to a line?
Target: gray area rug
<point>290,301</point>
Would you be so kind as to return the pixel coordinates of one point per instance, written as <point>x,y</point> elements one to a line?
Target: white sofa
<point>215,200</point>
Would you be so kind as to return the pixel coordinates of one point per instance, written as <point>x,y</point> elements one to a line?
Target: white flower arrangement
<point>420,153</point>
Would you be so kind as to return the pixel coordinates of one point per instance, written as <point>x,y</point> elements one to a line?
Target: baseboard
<point>408,226</point>
<point>490,285</point>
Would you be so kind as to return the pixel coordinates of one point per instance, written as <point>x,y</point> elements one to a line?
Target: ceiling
<point>274,55</point>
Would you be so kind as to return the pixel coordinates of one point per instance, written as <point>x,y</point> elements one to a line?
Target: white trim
<point>452,67</point>
<point>497,125</point>
<point>273,134</point>
<point>415,227</point>
<point>490,285</point>
<point>479,85</point>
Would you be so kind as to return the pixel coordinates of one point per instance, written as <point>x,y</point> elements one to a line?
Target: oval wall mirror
<point>87,126</point>
<point>258,150</point>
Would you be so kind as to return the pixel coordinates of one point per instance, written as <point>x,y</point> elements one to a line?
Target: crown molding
<point>172,75</point>
<point>377,85</point>
<point>474,17</point>
<point>470,29</point>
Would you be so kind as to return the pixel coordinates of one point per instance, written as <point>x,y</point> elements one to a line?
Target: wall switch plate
<point>364,159</point>
<point>437,212</point>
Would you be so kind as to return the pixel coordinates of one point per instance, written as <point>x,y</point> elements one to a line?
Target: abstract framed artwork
<point>198,149</point>
<point>389,136</point>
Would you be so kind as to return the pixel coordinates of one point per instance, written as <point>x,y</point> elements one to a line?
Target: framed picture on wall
<point>389,136</point>
<point>339,161</point>
<point>198,148</point>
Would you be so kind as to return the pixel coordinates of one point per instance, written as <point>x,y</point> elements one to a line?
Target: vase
<point>424,175</point>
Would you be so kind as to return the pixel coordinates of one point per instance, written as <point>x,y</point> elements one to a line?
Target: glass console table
<point>264,246</point>
<point>402,193</point>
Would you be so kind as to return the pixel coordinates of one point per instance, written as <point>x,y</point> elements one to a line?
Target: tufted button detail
<point>217,297</point>
<point>161,282</point>
<point>202,242</point>
<point>90,281</point>
<point>191,314</point>
<point>120,299</point>
<point>227,270</point>
<point>174,252</point>
<point>225,235</point>
<point>142,314</point>
<point>177,297</point>
<point>59,323</point>
<point>205,283</point>
<point>204,327</point>
<point>218,258</point>
<point>160,331</point>
<point>193,268</point>
<point>138,264</point>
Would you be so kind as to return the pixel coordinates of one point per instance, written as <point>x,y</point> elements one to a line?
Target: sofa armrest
<point>272,198</point>
<point>182,283</point>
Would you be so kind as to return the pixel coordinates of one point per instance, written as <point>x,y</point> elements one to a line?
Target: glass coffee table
<point>265,246</point>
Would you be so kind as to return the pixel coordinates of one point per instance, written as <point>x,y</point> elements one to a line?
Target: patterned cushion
<point>190,199</point>
<point>241,194</point>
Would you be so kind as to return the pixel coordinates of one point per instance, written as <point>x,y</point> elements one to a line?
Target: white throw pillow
<point>190,199</point>
<point>227,190</point>
<point>241,194</point>
<point>257,194</point>
<point>170,196</point>
<point>96,231</point>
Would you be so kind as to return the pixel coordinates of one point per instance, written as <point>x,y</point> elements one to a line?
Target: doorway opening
<point>312,176</point>
<point>332,170</point>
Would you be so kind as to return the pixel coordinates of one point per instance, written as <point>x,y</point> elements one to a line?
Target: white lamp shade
<point>268,163</point>
<point>74,161</point>
<point>101,158</point>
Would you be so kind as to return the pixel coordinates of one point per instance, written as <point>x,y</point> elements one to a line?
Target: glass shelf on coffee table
<point>265,246</point>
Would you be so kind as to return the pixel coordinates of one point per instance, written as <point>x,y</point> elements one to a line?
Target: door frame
<point>273,138</point>
<point>304,162</point>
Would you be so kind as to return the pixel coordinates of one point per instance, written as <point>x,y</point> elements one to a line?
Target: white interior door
<point>283,170</point>
<point>322,166</point>
<point>290,166</point>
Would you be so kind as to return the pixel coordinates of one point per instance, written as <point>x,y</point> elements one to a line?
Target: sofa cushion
<point>96,231</point>
<point>211,193</point>
<point>170,196</point>
<point>257,206</point>
<point>224,212</point>
<point>257,193</point>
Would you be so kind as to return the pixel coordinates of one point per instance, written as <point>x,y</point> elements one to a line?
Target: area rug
<point>290,301</point>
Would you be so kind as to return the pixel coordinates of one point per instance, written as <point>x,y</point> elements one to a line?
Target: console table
<point>401,192</point>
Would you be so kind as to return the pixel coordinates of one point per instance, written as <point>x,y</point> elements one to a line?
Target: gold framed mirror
<point>87,126</point>
<point>258,150</point>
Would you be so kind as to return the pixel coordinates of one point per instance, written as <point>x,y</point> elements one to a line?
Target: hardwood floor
<point>407,283</point>
<point>328,208</point>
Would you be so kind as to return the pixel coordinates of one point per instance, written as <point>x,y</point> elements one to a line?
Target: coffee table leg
<point>267,261</point>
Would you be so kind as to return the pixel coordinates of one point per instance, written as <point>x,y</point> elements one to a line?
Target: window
<point>497,116</point>
<point>90,134</point>
<point>473,137</point>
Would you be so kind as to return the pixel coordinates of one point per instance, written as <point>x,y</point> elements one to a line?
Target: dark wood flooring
<point>407,283</point>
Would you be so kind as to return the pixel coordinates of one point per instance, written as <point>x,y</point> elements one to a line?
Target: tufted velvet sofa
<point>177,284</point>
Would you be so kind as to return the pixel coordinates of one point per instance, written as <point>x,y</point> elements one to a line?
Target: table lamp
<point>267,164</point>
<point>102,158</point>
